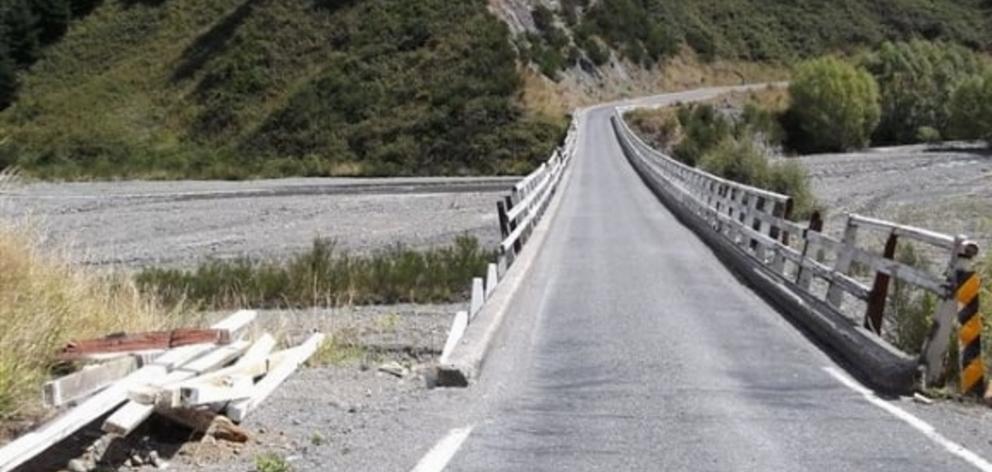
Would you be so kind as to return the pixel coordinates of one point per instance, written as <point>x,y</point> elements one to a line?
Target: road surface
<point>631,347</point>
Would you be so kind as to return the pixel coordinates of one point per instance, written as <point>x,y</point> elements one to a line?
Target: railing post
<point>875,312</point>
<point>967,287</point>
<point>804,276</point>
<point>784,212</point>
<point>835,294</point>
<point>513,227</point>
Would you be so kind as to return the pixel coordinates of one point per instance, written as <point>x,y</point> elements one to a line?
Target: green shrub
<point>835,104</point>
<point>271,463</point>
<point>704,128</point>
<point>737,160</point>
<point>324,276</point>
<point>909,310</point>
<point>916,80</point>
<point>971,108</point>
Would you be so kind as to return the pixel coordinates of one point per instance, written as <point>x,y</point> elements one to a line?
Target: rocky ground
<point>946,188</point>
<point>177,224</point>
<point>367,390</point>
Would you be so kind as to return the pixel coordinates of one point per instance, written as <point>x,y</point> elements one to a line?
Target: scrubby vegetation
<point>909,313</point>
<point>325,277</point>
<point>646,30</point>
<point>241,88</point>
<point>45,302</point>
<point>732,146</point>
<point>971,108</point>
<point>917,80</point>
<point>835,106</point>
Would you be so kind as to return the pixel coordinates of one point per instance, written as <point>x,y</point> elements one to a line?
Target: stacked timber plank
<point>198,378</point>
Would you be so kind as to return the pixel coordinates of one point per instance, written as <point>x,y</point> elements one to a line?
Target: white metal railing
<point>758,223</point>
<point>520,211</point>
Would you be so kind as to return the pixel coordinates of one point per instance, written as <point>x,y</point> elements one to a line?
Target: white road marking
<point>442,453</point>
<point>916,423</point>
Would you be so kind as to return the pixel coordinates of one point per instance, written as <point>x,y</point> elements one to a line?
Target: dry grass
<point>45,302</point>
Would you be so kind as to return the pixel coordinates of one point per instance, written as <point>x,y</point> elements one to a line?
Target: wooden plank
<point>458,327</point>
<point>254,363</point>
<point>31,444</point>
<point>144,397</point>
<point>133,342</point>
<point>87,381</point>
<point>919,234</point>
<point>238,410</point>
<point>835,296</point>
<point>232,387</point>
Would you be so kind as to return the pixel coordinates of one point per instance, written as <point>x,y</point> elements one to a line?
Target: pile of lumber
<point>194,377</point>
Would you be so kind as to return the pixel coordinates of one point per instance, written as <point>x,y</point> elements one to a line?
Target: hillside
<point>247,88</point>
<point>236,88</point>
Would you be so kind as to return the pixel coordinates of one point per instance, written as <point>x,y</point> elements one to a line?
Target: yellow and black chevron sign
<point>970,333</point>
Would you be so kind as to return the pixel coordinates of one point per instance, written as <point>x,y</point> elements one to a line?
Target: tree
<point>971,108</point>
<point>20,28</point>
<point>835,105</point>
<point>916,80</point>
<point>8,79</point>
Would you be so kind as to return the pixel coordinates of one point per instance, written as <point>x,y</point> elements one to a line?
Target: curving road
<point>631,347</point>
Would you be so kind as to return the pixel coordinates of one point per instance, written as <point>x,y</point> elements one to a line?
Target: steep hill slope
<point>235,88</point>
<point>243,88</point>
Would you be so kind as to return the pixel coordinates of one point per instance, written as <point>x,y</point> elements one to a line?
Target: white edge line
<point>442,453</point>
<point>922,426</point>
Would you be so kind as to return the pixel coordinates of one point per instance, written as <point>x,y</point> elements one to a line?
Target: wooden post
<point>778,234</point>
<point>504,222</point>
<point>835,294</point>
<point>804,276</point>
<point>880,291</point>
<point>513,227</point>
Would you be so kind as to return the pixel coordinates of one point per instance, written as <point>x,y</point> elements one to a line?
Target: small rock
<point>156,460</point>
<point>394,368</point>
<point>919,398</point>
<point>352,409</point>
<point>127,463</point>
<point>81,465</point>
<point>137,461</point>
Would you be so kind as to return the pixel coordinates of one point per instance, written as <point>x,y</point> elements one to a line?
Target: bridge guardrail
<point>519,212</point>
<point>757,222</point>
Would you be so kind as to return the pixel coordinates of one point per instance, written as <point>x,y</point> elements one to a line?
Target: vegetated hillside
<point>237,88</point>
<point>647,31</point>
<point>242,88</point>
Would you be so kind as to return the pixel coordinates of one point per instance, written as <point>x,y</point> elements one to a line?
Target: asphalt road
<point>631,347</point>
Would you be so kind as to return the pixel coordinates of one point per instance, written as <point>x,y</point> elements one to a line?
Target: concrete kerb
<point>465,361</point>
<point>872,360</point>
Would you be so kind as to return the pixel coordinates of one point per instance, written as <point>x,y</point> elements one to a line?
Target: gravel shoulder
<point>178,224</point>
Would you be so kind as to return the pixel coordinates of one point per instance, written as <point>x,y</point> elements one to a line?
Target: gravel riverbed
<point>178,224</point>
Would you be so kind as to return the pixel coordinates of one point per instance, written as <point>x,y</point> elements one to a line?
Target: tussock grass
<point>45,302</point>
<point>324,276</point>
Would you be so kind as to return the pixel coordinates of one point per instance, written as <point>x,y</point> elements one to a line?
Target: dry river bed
<point>945,188</point>
<point>178,224</point>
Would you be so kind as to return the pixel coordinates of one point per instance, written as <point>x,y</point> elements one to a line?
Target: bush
<point>836,105</point>
<point>704,128</point>
<point>971,108</point>
<point>737,160</point>
<point>909,310</point>
<point>323,276</point>
<point>743,162</point>
<point>916,80</point>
